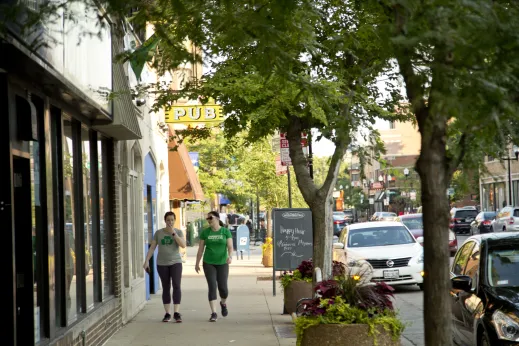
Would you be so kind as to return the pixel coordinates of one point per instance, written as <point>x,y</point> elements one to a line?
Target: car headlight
<point>420,258</point>
<point>507,328</point>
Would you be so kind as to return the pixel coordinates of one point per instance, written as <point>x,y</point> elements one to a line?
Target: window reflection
<point>87,217</point>
<point>103,212</point>
<point>68,213</point>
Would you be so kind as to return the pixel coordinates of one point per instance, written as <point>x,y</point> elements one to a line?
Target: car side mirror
<point>420,240</point>
<point>462,282</point>
<point>338,245</point>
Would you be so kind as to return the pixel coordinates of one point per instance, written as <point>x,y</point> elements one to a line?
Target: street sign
<point>386,201</point>
<point>371,201</point>
<point>412,195</point>
<point>450,191</point>
<point>280,169</point>
<point>284,146</point>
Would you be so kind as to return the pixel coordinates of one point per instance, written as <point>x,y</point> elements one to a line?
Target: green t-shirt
<point>215,245</point>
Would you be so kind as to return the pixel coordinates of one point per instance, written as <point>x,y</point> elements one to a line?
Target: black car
<point>482,223</point>
<point>485,290</point>
<point>461,220</point>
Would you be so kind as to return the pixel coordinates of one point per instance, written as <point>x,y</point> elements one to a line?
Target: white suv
<point>507,220</point>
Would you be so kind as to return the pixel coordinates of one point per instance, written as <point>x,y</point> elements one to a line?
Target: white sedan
<point>394,255</point>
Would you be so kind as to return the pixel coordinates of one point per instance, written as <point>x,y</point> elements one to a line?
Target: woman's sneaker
<point>214,317</point>
<point>167,318</point>
<point>225,312</point>
<point>177,317</point>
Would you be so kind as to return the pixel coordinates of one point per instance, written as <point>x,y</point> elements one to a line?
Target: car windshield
<point>503,266</point>
<point>379,236</point>
<point>413,222</point>
<point>465,213</point>
<point>388,214</point>
<point>348,212</point>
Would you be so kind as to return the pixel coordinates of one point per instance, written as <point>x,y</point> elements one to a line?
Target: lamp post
<point>509,159</point>
<point>381,181</point>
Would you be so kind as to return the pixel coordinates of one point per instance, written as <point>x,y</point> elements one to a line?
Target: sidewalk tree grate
<point>285,331</point>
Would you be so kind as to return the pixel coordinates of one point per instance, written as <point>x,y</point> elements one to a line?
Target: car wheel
<point>421,287</point>
<point>483,341</point>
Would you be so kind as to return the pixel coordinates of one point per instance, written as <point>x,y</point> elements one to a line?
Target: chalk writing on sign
<point>291,240</point>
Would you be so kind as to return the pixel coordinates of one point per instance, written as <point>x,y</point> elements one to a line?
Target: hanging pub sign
<point>194,114</point>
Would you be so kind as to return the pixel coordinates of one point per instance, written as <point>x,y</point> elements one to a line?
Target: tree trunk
<point>323,234</point>
<point>319,200</point>
<point>435,178</point>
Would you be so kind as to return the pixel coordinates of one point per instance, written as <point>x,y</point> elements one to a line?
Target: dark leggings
<point>168,274</point>
<point>216,276</point>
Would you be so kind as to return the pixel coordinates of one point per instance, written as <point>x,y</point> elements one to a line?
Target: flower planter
<point>346,334</point>
<point>295,291</point>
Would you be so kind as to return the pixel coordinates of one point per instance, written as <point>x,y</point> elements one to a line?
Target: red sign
<point>280,169</point>
<point>284,147</point>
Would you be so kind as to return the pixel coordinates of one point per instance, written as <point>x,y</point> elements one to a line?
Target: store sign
<point>194,114</point>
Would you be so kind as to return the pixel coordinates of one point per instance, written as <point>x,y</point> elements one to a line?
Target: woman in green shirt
<point>217,243</point>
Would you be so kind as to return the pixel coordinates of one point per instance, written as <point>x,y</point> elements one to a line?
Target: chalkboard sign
<point>292,237</point>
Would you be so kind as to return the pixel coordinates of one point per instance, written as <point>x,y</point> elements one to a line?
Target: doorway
<point>150,212</point>
<point>23,233</point>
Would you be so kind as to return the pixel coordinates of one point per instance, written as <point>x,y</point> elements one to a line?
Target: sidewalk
<point>255,315</point>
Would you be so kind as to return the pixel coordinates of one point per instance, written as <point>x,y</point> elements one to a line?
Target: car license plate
<point>391,274</point>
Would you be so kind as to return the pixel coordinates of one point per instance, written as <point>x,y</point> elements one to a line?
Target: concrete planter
<point>346,334</point>
<point>295,291</point>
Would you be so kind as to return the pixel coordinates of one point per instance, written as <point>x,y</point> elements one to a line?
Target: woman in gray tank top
<point>169,264</point>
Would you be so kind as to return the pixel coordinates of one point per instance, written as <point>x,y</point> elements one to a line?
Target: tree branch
<point>454,162</point>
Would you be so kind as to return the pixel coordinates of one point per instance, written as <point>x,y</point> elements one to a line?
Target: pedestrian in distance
<point>216,247</point>
<point>169,264</point>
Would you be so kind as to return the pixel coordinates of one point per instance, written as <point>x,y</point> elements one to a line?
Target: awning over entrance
<point>183,181</point>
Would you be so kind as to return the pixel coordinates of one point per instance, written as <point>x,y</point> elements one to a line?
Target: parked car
<point>375,216</point>
<point>350,215</point>
<point>461,219</point>
<point>395,256</point>
<point>483,223</point>
<point>485,290</point>
<point>387,216</point>
<point>339,222</point>
<point>414,222</point>
<point>507,220</point>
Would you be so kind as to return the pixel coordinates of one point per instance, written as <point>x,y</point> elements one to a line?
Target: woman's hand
<point>197,268</point>
<point>146,266</point>
<point>229,260</point>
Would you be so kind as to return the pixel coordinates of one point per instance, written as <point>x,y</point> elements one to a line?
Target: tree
<point>459,62</point>
<point>241,172</point>
<point>290,66</point>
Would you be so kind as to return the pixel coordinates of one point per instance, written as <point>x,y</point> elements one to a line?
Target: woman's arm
<point>180,240</point>
<point>201,246</point>
<point>229,250</point>
<point>151,250</point>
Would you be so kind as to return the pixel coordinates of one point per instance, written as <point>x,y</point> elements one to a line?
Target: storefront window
<point>87,217</point>
<point>70,226</point>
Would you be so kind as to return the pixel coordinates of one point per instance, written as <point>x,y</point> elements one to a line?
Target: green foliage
<point>287,278</point>
<point>340,312</point>
<point>241,170</point>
